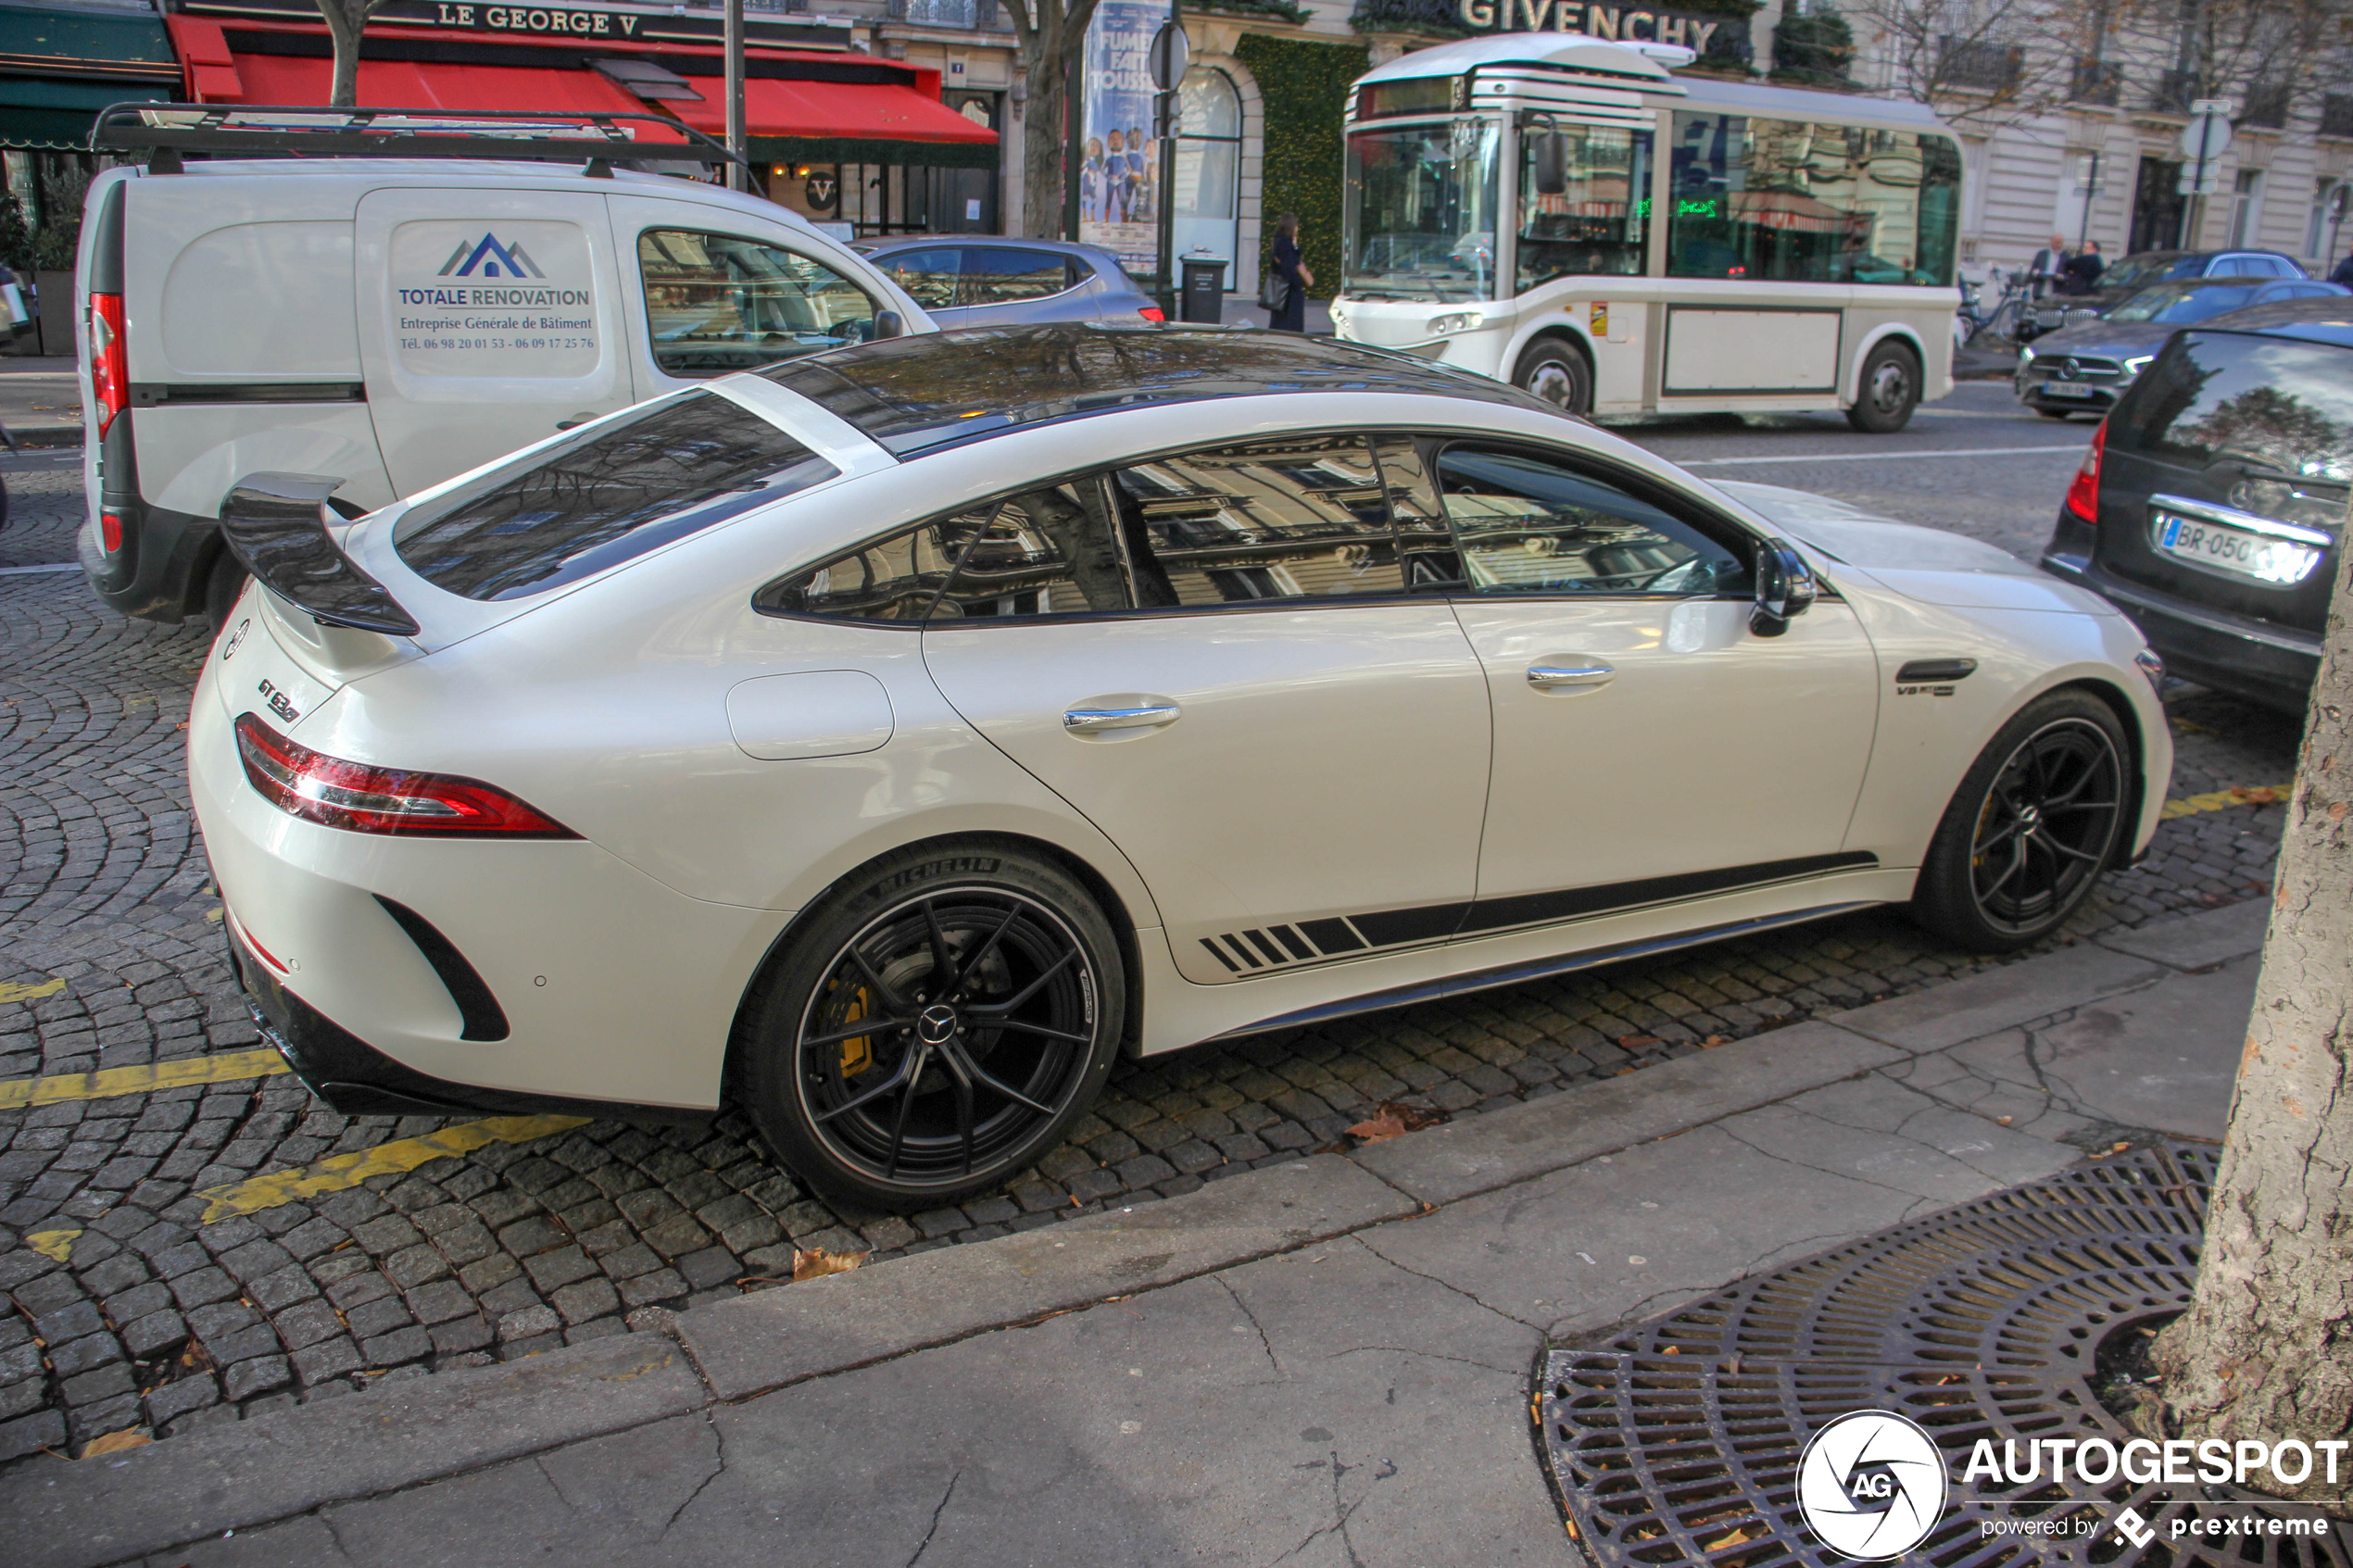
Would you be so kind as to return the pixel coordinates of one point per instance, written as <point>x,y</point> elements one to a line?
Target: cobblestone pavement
<point>130,1311</point>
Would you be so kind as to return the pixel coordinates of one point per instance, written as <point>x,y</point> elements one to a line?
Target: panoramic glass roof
<point>912,395</point>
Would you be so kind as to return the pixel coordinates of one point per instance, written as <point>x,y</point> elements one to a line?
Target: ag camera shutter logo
<point>1872,1485</point>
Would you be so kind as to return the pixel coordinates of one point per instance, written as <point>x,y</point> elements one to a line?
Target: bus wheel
<point>1889,391</point>
<point>1552,368</point>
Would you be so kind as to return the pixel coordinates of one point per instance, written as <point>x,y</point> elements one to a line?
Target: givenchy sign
<point>1595,20</point>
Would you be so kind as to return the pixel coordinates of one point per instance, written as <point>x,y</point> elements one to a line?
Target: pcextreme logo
<point>1872,1485</point>
<point>491,256</point>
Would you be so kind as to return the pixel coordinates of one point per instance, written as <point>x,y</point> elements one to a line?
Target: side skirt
<point>1537,968</point>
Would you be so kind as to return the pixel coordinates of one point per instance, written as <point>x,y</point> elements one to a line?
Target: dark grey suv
<point>2211,506</point>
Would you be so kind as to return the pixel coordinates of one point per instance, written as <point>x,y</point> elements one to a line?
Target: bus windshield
<point>1422,212</point>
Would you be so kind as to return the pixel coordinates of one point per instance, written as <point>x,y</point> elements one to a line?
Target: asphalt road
<point>1976,462</point>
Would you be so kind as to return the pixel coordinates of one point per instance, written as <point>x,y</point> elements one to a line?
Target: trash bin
<point>1204,290</point>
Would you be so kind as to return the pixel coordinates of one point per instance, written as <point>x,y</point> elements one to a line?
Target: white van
<point>394,320</point>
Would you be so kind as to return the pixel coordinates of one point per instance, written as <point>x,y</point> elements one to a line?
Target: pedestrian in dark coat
<point>1295,274</point>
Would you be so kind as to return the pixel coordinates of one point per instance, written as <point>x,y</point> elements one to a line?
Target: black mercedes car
<point>2211,506</point>
<point>2085,367</point>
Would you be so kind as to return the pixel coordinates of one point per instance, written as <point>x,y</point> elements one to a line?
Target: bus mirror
<point>1551,163</point>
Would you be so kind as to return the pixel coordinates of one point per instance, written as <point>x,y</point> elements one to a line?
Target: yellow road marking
<point>2261,794</point>
<point>16,991</point>
<point>55,1246</point>
<point>339,1171</point>
<point>18,1093</point>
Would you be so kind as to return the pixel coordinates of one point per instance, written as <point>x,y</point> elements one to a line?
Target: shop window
<point>1209,165</point>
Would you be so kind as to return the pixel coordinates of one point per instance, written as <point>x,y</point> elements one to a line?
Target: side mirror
<point>1550,161</point>
<point>1785,588</point>
<point>889,323</point>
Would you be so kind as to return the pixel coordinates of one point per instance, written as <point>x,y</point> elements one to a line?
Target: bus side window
<point>1424,542</point>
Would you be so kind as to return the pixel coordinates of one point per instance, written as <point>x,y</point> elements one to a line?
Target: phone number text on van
<point>420,343</point>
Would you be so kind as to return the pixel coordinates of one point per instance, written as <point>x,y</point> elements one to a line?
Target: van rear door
<point>488,318</point>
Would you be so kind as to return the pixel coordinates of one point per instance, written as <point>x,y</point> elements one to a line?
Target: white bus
<point>1564,214</point>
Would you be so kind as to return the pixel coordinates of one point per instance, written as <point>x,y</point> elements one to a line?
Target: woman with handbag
<point>1284,293</point>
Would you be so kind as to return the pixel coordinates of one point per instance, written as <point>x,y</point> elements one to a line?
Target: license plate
<point>2234,550</point>
<point>2065,389</point>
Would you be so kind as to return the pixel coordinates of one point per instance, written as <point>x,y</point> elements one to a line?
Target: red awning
<point>419,84</point>
<point>864,111</point>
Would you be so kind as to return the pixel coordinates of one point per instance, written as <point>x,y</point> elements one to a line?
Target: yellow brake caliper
<point>858,1054</point>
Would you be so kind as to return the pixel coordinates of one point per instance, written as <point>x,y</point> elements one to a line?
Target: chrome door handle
<point>1142,716</point>
<point>1586,673</point>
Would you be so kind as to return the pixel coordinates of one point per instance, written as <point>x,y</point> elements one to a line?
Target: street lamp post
<point>738,175</point>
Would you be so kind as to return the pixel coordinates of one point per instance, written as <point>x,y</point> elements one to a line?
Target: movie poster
<point>1119,172</point>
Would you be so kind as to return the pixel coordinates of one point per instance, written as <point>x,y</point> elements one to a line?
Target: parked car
<point>983,280</point>
<point>2086,368</point>
<point>2142,268</point>
<point>2211,506</point>
<point>898,734</point>
<point>394,320</point>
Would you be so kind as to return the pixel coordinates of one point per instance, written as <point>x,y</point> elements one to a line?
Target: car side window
<point>716,303</point>
<point>928,276</point>
<point>1525,525</point>
<point>1047,551</point>
<point>995,275</point>
<point>1302,518</point>
<point>891,580</point>
<point>1426,546</point>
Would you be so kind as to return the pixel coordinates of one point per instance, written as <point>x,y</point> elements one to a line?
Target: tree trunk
<point>346,19</point>
<point>2266,1350</point>
<point>1044,143</point>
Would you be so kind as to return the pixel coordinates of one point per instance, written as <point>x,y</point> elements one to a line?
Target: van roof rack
<point>167,130</point>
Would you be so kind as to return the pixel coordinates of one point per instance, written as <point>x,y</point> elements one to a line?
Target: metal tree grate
<point>1678,1441</point>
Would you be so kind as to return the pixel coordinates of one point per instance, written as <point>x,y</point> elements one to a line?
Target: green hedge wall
<point>1304,89</point>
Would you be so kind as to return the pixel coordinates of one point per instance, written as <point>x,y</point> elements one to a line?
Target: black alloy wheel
<point>933,1035</point>
<point>2031,829</point>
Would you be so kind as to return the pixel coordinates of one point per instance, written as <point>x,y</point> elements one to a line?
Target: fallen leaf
<point>1394,1118</point>
<point>2003,1119</point>
<point>115,1442</point>
<point>815,1262</point>
<point>1738,1537</point>
<point>1714,1040</point>
<point>2261,795</point>
<point>55,1246</point>
<point>1674,1350</point>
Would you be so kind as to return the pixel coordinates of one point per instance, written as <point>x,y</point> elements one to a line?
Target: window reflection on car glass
<point>928,276</point>
<point>1424,541</point>
<point>1527,526</point>
<point>2281,405</point>
<point>1302,518</point>
<point>1047,551</point>
<point>604,496</point>
<point>715,302</point>
<point>994,276</point>
<point>895,579</point>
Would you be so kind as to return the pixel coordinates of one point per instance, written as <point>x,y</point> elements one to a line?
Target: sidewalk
<point>1324,1362</point>
<point>38,401</point>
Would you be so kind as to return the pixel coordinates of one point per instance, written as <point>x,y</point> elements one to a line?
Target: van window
<point>609,494</point>
<point>716,304</point>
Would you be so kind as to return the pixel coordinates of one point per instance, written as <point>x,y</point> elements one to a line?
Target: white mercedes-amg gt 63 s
<point>888,739</point>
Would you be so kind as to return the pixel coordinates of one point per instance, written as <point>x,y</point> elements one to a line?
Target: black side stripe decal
<point>1392,928</point>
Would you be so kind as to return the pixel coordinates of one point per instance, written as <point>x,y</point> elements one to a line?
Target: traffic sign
<point>2208,135</point>
<point>1171,51</point>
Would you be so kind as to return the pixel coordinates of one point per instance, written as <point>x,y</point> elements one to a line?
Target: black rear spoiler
<point>276,524</point>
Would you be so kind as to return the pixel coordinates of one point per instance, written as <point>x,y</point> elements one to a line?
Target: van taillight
<point>110,531</point>
<point>109,363</point>
<point>337,793</point>
<point>2084,494</point>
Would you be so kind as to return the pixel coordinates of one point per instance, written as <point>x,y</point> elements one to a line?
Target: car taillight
<point>110,531</point>
<point>386,800</point>
<point>2084,494</point>
<point>1152,313</point>
<point>109,363</point>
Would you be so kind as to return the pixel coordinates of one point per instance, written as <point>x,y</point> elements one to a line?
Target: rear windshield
<point>610,494</point>
<point>2273,403</point>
